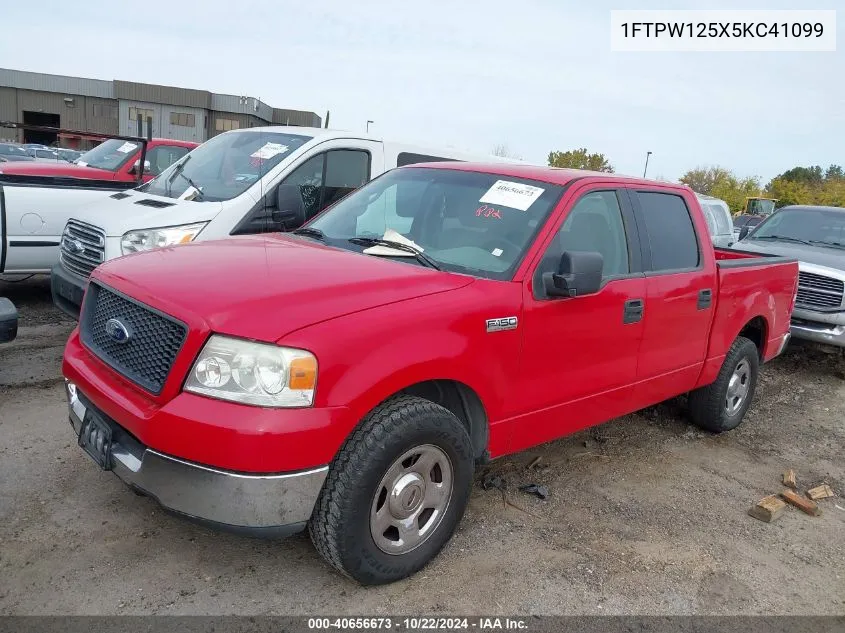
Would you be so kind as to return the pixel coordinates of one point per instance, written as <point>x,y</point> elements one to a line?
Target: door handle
<point>705,299</point>
<point>633,312</point>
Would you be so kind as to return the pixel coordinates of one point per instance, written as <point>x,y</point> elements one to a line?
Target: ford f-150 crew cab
<point>347,376</point>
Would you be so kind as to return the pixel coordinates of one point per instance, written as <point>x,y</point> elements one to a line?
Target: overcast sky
<point>532,74</point>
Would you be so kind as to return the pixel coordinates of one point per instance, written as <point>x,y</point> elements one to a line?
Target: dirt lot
<point>647,515</point>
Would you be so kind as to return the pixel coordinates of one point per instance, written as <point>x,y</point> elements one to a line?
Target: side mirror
<point>579,274</point>
<point>290,208</point>
<point>8,321</point>
<point>743,232</point>
<point>137,165</point>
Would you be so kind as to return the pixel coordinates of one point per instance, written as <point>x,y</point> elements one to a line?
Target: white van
<point>719,220</point>
<point>245,181</point>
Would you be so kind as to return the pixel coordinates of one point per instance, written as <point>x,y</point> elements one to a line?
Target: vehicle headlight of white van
<point>148,239</point>
<point>260,374</point>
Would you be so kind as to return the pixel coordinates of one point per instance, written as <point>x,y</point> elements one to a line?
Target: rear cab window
<point>667,229</point>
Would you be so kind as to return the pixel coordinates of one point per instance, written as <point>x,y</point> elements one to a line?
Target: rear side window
<point>669,230</point>
<point>408,158</point>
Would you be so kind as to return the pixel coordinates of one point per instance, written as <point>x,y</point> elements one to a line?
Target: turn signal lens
<point>303,373</point>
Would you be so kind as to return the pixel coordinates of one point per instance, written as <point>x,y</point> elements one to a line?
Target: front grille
<point>819,292</point>
<point>83,247</point>
<point>155,339</point>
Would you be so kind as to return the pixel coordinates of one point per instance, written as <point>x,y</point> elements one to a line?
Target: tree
<point>504,151</point>
<point>723,184</point>
<point>809,185</point>
<point>834,172</point>
<point>580,159</point>
<point>704,179</point>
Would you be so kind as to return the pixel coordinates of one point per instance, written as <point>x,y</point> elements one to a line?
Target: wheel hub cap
<point>738,387</point>
<point>411,499</point>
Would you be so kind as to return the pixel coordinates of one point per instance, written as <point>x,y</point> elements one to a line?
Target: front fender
<point>366,357</point>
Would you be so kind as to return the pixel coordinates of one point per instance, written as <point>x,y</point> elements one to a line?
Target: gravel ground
<point>647,515</point>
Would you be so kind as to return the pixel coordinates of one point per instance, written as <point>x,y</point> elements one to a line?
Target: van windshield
<point>226,165</point>
<point>469,222</point>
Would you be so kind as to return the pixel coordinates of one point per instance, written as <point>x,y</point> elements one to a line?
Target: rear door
<point>681,289</point>
<point>580,353</point>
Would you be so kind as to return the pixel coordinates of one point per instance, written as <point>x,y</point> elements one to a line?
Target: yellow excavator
<point>759,206</point>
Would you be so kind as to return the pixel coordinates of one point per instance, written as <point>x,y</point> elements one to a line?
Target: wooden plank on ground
<point>820,492</point>
<point>789,479</point>
<point>768,509</point>
<point>805,505</point>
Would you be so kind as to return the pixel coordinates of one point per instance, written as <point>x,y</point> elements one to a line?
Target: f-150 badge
<point>503,323</point>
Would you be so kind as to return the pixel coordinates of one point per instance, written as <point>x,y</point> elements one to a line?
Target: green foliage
<point>722,183</point>
<point>809,185</point>
<point>580,159</point>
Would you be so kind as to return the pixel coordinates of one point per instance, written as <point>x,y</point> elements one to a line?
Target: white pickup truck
<point>246,181</point>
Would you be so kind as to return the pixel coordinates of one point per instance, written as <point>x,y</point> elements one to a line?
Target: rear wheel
<point>395,492</point>
<point>722,405</point>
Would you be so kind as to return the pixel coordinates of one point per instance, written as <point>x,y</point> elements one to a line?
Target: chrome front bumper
<point>817,332</point>
<point>265,505</point>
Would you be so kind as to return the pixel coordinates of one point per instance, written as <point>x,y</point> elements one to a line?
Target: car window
<point>709,218</point>
<point>595,224</point>
<point>669,231</point>
<point>309,178</point>
<point>163,156</point>
<point>346,170</point>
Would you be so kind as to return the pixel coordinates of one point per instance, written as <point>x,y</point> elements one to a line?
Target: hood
<point>264,287</point>
<point>55,168</point>
<point>818,255</point>
<point>118,215</point>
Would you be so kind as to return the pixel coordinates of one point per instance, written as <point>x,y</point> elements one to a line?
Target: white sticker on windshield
<point>269,150</point>
<point>497,252</point>
<point>512,194</point>
<point>127,147</point>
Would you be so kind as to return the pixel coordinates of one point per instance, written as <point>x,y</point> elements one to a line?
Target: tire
<point>354,525</point>
<point>709,406</point>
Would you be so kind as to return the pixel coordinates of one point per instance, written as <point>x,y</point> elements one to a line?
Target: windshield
<point>758,206</point>
<point>475,223</point>
<point>816,226</point>
<point>12,150</point>
<point>110,155</point>
<point>227,165</point>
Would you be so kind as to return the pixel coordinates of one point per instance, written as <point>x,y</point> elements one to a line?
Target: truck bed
<point>751,283</point>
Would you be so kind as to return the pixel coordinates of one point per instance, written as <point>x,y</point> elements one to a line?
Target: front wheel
<point>721,405</point>
<point>395,492</point>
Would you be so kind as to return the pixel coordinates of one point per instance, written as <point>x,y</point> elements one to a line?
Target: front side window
<point>226,165</point>
<point>163,156</point>
<point>476,223</point>
<point>669,231</point>
<point>595,224</point>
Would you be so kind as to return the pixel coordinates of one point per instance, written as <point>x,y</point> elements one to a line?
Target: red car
<point>349,376</point>
<point>113,159</point>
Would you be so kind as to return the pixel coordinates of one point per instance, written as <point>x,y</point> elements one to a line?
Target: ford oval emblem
<point>117,332</point>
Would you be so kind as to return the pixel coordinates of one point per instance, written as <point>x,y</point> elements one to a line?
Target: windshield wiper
<point>823,243</point>
<point>308,231</point>
<point>781,237</point>
<point>177,171</point>
<point>399,246</point>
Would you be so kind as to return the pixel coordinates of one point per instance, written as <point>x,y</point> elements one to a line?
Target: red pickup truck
<point>347,377</point>
<point>113,159</point>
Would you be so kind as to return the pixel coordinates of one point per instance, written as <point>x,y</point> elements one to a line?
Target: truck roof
<point>552,175</point>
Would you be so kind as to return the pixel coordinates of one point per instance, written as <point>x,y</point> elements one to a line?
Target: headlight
<point>148,239</point>
<point>261,374</point>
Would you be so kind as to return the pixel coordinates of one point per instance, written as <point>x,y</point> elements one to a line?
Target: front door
<point>579,360</point>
